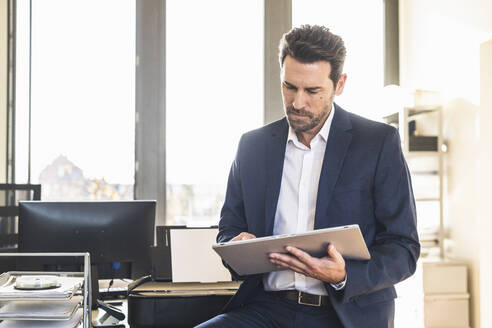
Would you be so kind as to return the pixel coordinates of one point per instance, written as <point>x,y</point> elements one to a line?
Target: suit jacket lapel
<point>275,164</point>
<point>336,148</point>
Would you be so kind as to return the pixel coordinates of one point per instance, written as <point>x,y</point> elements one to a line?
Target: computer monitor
<point>117,234</point>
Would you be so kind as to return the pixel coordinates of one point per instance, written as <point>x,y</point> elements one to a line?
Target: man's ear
<point>340,84</point>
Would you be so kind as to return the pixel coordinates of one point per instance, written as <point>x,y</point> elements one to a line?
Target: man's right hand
<point>243,236</point>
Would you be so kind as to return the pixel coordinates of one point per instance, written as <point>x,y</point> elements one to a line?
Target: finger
<point>301,255</point>
<point>334,254</point>
<point>284,265</point>
<point>243,236</point>
<point>290,261</point>
<point>248,236</point>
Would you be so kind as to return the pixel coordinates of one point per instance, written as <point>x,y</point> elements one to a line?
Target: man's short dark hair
<point>309,44</point>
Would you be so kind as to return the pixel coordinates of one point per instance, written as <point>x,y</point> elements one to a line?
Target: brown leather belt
<point>302,298</point>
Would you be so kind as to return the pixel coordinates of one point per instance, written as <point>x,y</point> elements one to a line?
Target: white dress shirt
<point>297,203</point>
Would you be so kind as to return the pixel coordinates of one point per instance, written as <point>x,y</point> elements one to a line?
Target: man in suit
<point>319,167</point>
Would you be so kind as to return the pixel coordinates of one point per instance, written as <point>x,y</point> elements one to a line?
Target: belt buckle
<point>299,300</point>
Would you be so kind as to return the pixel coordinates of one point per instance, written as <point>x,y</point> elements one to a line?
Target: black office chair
<point>10,194</point>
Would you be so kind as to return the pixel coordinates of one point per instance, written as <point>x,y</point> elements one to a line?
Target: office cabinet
<point>446,298</point>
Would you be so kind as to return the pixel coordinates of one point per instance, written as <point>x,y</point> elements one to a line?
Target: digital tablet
<point>251,256</point>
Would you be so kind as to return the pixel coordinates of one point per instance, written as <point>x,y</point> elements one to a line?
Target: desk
<point>177,305</point>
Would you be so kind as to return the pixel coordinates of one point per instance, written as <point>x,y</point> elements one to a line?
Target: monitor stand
<point>98,304</point>
<point>95,286</point>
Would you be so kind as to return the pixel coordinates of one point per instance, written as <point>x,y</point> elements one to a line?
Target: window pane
<point>360,24</point>
<point>83,98</point>
<point>214,94</point>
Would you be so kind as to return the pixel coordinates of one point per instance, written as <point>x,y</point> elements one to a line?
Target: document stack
<point>44,299</point>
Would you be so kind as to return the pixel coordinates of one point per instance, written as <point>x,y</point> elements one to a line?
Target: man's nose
<point>300,99</point>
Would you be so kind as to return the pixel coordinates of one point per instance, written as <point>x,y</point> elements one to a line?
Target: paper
<point>39,310</point>
<point>68,286</point>
<point>192,256</point>
<point>73,322</point>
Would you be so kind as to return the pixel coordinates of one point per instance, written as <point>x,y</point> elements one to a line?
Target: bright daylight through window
<point>360,24</point>
<point>83,98</point>
<point>214,94</point>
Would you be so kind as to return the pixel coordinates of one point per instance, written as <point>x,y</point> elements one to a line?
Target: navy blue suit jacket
<point>364,180</point>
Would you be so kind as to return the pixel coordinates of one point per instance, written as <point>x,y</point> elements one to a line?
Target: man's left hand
<point>330,268</point>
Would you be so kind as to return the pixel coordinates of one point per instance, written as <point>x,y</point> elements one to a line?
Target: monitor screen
<point>117,234</point>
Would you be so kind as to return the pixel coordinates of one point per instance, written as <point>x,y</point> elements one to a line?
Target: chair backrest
<point>10,195</point>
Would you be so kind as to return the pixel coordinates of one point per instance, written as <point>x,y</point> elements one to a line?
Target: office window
<point>214,94</point>
<point>83,98</point>
<point>360,24</point>
<point>22,92</point>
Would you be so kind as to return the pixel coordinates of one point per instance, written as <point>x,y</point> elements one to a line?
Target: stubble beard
<point>312,123</point>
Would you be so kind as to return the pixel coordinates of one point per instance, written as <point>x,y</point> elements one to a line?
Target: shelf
<point>393,118</point>
<point>413,111</point>
<point>40,310</point>
<point>422,153</point>
<point>421,172</point>
<point>429,243</point>
<point>429,170</point>
<point>53,307</point>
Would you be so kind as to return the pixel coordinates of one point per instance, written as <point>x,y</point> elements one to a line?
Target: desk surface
<point>156,289</point>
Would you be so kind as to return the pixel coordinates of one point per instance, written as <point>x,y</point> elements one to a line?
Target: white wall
<point>3,89</point>
<point>485,160</point>
<point>440,50</point>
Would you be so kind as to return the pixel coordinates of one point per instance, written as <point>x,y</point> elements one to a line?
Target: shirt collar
<point>323,133</point>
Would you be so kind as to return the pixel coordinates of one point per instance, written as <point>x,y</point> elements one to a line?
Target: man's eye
<point>290,87</point>
<point>311,92</point>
